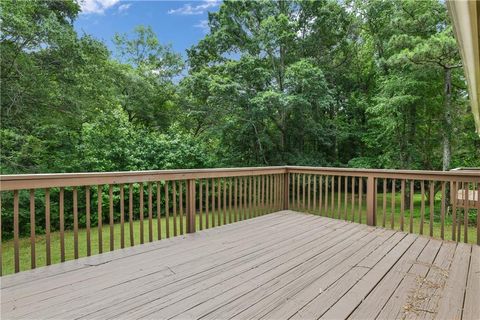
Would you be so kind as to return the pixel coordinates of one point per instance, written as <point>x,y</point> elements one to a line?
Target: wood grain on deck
<point>279,266</point>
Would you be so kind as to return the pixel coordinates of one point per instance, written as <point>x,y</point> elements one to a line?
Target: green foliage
<point>372,84</point>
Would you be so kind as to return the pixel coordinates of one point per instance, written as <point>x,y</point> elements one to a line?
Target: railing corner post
<point>191,206</point>
<point>286,191</point>
<point>371,201</point>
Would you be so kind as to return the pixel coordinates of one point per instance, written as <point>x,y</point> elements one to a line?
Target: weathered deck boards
<point>282,265</point>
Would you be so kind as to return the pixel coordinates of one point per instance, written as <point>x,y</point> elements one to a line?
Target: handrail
<point>388,173</point>
<point>48,180</point>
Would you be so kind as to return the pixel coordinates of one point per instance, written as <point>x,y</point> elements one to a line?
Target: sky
<point>179,23</point>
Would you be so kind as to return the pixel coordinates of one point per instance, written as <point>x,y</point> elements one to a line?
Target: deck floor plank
<point>423,301</point>
<point>396,306</point>
<point>452,295</point>
<point>471,304</point>
<point>43,276</point>
<point>373,304</point>
<point>262,297</point>
<point>179,287</point>
<point>290,298</point>
<point>347,281</point>
<point>200,298</point>
<point>350,301</point>
<point>284,265</point>
<point>118,280</point>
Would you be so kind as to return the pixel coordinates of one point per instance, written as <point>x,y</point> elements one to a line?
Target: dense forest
<point>374,84</point>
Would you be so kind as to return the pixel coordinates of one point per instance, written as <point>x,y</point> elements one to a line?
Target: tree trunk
<point>447,119</point>
<point>412,125</point>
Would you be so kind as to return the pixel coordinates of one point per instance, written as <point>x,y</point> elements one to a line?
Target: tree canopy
<point>376,84</point>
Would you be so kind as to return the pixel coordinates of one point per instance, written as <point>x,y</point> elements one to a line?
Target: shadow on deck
<point>277,266</point>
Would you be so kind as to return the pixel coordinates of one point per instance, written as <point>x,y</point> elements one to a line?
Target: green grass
<point>359,215</point>
<point>40,244</point>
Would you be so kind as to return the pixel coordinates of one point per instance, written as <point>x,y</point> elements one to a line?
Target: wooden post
<point>286,191</point>
<point>371,201</point>
<point>191,206</point>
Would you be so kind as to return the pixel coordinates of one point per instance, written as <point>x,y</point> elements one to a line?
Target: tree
<point>267,58</point>
<point>146,75</point>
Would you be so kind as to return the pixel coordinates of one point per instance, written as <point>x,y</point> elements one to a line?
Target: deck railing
<point>50,218</point>
<point>433,203</point>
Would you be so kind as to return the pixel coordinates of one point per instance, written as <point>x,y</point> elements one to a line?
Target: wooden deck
<point>282,265</point>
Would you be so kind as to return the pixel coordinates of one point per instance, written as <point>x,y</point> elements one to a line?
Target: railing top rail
<point>7,177</point>
<point>389,173</point>
<point>466,172</point>
<point>50,180</point>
